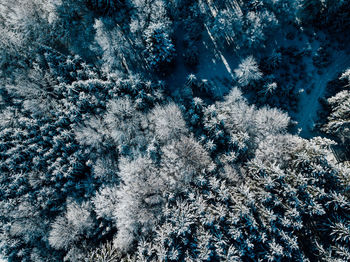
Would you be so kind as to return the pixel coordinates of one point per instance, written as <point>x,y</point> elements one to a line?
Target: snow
<point>309,104</point>
<point>214,65</point>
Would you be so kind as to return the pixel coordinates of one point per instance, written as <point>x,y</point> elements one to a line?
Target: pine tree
<point>160,50</point>
<point>248,71</point>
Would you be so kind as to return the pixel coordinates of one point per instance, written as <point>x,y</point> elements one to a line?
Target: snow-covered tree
<point>167,122</point>
<point>228,27</point>
<point>160,50</point>
<point>248,71</point>
<point>338,122</point>
<point>139,200</point>
<point>113,45</point>
<point>76,224</point>
<point>100,160</point>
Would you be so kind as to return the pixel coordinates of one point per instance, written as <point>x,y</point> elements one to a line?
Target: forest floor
<point>309,104</point>
<point>214,66</point>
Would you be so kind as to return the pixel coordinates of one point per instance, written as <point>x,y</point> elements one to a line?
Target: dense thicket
<point>104,157</point>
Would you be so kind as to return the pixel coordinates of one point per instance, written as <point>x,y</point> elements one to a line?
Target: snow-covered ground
<point>215,66</point>
<point>309,104</point>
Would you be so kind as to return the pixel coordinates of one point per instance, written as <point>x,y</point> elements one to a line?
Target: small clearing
<point>309,104</point>
<point>217,68</point>
<point>214,66</point>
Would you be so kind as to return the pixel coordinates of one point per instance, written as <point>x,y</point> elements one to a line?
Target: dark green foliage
<point>105,6</point>
<point>331,15</point>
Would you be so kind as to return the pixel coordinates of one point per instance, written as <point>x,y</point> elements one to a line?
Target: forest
<point>175,130</point>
